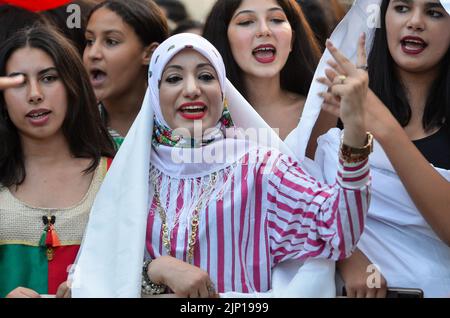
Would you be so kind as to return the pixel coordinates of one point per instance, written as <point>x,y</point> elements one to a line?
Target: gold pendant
<point>49,253</point>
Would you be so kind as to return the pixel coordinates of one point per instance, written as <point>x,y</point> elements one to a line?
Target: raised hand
<point>347,91</point>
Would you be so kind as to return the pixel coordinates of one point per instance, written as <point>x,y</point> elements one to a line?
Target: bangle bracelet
<point>353,154</point>
<point>148,287</point>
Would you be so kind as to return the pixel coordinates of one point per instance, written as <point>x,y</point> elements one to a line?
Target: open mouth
<point>38,115</point>
<point>193,111</point>
<point>97,76</point>
<point>413,45</point>
<point>265,53</point>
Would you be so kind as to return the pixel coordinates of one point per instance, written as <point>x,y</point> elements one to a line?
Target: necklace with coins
<point>166,235</point>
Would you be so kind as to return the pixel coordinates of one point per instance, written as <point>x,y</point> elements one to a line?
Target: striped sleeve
<point>308,219</point>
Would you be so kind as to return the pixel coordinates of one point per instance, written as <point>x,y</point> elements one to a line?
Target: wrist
<point>385,135</point>
<point>152,274</point>
<point>355,136</point>
<point>356,154</point>
<point>149,286</point>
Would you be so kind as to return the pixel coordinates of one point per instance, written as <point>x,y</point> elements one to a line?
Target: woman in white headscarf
<point>216,211</point>
<point>407,233</point>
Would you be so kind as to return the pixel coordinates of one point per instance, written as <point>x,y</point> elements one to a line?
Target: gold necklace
<point>194,221</point>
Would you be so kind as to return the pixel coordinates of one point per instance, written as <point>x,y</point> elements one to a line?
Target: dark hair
<point>13,19</point>
<point>386,84</point>
<point>296,75</point>
<point>176,11</point>
<point>58,17</point>
<point>317,19</point>
<point>186,25</point>
<point>144,16</point>
<point>82,127</point>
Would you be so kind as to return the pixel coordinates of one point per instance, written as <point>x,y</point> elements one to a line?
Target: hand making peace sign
<point>347,83</point>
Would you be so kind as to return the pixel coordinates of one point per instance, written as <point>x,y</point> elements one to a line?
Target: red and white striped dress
<point>267,211</point>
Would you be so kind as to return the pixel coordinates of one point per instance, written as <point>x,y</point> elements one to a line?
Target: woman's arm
<point>310,219</point>
<point>429,191</point>
<point>354,272</point>
<point>328,220</point>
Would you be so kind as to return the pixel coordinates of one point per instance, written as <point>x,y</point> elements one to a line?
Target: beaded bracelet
<point>148,287</point>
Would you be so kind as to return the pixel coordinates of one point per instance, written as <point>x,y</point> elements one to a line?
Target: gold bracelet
<point>353,154</point>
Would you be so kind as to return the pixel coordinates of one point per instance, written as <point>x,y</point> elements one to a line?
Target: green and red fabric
<point>28,266</point>
<point>38,245</point>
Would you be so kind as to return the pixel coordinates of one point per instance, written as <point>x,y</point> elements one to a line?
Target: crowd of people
<point>278,148</point>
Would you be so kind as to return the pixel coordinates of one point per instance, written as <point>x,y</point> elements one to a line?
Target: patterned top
<point>264,210</point>
<point>24,261</point>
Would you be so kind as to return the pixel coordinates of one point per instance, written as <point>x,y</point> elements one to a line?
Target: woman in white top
<point>407,233</point>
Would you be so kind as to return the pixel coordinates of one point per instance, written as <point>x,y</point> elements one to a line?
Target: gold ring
<point>342,79</point>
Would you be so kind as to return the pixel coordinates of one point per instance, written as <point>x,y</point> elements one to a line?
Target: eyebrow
<point>427,5</point>
<point>179,67</point>
<point>107,32</point>
<point>45,70</point>
<point>251,11</point>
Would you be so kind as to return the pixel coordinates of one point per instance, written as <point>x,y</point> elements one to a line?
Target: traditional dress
<point>396,237</point>
<point>37,245</point>
<point>236,217</point>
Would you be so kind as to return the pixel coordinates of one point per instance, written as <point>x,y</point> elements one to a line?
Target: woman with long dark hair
<point>53,157</point>
<point>121,36</point>
<point>270,54</point>
<point>407,234</point>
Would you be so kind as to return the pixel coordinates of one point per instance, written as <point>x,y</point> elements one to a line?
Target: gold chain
<point>194,222</point>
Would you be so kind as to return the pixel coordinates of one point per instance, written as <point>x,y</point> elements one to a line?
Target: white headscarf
<point>446,5</point>
<point>109,263</point>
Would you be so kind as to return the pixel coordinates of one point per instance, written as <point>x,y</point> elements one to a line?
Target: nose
<point>191,88</point>
<point>416,21</point>
<point>93,51</point>
<point>263,29</point>
<point>35,94</point>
